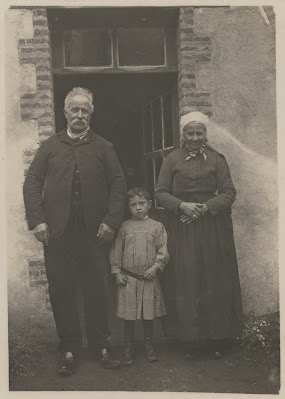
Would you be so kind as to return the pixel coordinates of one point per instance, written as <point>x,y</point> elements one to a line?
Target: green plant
<point>261,332</point>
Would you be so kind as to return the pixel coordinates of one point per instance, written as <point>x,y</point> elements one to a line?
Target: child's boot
<point>128,359</point>
<point>149,350</point>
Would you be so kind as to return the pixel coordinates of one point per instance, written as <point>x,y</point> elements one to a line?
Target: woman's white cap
<point>195,116</point>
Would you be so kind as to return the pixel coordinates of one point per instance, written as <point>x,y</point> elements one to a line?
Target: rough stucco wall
<point>241,78</point>
<point>25,303</point>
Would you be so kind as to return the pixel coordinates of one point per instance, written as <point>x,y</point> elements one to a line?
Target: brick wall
<point>193,51</point>
<point>37,103</point>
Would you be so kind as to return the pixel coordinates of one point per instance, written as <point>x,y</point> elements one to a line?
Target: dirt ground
<point>237,372</point>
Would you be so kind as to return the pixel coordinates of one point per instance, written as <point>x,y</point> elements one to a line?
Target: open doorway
<point>135,112</point>
<point>127,58</point>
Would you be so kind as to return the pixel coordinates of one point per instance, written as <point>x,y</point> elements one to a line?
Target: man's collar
<point>75,136</point>
<point>63,136</point>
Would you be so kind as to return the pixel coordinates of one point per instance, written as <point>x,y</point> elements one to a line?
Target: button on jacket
<point>48,184</point>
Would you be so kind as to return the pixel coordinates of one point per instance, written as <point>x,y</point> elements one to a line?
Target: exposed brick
<point>38,281</point>
<point>187,10</point>
<point>187,76</point>
<point>185,31</point>
<point>45,123</point>
<point>47,130</point>
<point>43,68</point>
<point>31,60</point>
<point>203,57</point>
<point>35,105</point>
<point>38,40</point>
<point>198,95</point>
<point>44,86</point>
<point>34,50</point>
<point>207,110</point>
<point>40,11</point>
<point>28,115</point>
<point>192,49</point>
<point>43,77</point>
<point>45,115</point>
<point>41,32</point>
<point>202,39</point>
<point>45,95</point>
<point>28,96</point>
<point>39,262</point>
<point>37,272</point>
<point>185,24</point>
<point>40,22</point>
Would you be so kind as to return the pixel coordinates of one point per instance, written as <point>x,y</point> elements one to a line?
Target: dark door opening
<point>121,101</point>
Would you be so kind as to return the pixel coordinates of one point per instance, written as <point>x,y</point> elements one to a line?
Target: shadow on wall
<point>255,218</point>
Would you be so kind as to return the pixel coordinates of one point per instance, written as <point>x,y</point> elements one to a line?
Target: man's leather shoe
<point>66,364</point>
<point>108,363</point>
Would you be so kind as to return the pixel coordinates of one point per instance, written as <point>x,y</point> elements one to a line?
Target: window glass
<point>157,124</point>
<point>88,47</point>
<point>141,46</point>
<point>149,176</point>
<point>167,117</point>
<point>147,129</point>
<point>158,163</point>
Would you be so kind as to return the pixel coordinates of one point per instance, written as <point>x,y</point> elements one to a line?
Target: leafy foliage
<point>262,332</point>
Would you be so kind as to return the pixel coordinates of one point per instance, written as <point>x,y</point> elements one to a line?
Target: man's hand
<point>121,279</point>
<point>151,272</point>
<point>105,233</point>
<point>204,209</point>
<point>187,219</point>
<point>41,232</point>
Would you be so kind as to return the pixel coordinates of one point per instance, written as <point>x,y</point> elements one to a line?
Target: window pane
<point>157,128</point>
<point>167,117</point>
<point>87,47</point>
<point>149,176</point>
<point>141,46</point>
<point>158,163</point>
<point>147,130</point>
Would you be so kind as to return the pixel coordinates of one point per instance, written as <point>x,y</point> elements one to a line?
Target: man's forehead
<point>80,100</point>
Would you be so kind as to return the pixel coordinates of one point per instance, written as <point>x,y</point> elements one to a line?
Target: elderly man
<point>74,196</point>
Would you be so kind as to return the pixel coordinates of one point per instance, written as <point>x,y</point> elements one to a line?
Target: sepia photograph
<point>141,197</point>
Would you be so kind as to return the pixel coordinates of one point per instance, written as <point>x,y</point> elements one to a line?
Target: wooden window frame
<point>164,151</point>
<point>126,67</point>
<point>89,30</point>
<point>62,69</point>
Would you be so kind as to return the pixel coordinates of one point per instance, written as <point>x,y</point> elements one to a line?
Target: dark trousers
<point>70,259</point>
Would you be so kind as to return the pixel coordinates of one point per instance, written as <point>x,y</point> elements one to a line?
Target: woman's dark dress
<point>204,285</point>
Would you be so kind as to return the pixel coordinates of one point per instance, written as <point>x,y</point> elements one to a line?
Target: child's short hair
<point>138,192</point>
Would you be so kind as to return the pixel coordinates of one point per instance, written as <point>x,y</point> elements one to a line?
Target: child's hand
<point>151,272</point>
<point>121,279</point>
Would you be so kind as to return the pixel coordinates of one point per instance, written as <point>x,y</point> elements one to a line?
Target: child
<point>140,249</point>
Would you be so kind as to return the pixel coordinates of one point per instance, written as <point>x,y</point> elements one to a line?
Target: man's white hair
<point>78,91</point>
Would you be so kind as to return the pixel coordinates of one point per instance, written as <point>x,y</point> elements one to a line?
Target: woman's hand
<point>191,209</point>
<point>121,279</point>
<point>185,218</point>
<point>151,272</point>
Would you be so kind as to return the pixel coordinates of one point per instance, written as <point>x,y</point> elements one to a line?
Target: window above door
<point>135,47</point>
<point>116,42</point>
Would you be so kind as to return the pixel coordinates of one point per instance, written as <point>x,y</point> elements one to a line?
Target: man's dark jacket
<point>48,184</point>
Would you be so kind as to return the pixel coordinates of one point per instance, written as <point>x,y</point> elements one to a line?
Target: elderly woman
<point>195,186</point>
